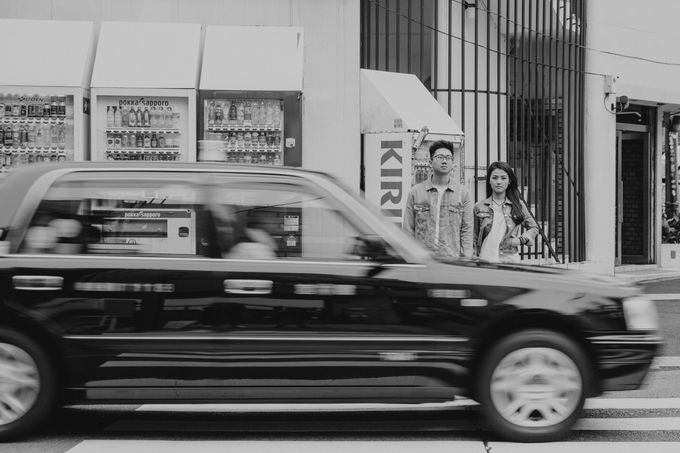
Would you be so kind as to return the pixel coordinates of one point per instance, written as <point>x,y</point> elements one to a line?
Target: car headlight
<point>640,313</point>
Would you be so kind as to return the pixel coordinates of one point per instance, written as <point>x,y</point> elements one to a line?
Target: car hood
<point>537,277</point>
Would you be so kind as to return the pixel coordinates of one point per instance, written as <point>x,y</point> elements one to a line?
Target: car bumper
<point>624,360</point>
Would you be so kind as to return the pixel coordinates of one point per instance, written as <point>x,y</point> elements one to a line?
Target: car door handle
<point>232,286</point>
<point>37,282</point>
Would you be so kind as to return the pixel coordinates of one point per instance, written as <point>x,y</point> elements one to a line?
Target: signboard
<point>387,160</point>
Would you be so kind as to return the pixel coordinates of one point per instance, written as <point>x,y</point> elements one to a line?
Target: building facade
<point>578,95</point>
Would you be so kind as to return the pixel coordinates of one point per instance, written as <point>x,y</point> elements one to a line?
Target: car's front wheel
<point>27,384</point>
<point>531,385</point>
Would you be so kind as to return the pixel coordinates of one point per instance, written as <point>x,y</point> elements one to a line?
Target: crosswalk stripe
<point>585,447</point>
<point>628,424</point>
<point>674,296</point>
<point>159,446</point>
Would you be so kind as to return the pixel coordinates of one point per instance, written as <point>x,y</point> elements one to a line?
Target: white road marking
<point>162,446</point>
<point>666,361</point>
<point>669,296</point>
<point>629,424</point>
<point>633,403</point>
<point>585,447</point>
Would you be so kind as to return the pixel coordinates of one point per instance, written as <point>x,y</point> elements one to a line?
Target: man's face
<point>442,161</point>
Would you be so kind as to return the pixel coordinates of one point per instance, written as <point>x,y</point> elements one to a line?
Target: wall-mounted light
<point>470,9</point>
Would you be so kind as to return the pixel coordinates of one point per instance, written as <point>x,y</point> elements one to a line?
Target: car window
<point>280,220</point>
<point>129,214</point>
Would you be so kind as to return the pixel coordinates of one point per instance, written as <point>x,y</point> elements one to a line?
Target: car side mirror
<point>372,248</point>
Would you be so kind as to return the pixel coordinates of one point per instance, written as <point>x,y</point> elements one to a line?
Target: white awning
<point>252,58</point>
<point>48,53</point>
<point>394,102</point>
<point>147,55</point>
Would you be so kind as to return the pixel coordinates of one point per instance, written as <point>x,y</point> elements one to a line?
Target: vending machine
<point>249,109</point>
<point>400,119</point>
<point>44,91</point>
<point>144,92</point>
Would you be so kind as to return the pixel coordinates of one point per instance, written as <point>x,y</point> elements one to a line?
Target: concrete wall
<point>331,108</point>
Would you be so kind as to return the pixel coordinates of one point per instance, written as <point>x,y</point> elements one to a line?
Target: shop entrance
<point>634,195</point>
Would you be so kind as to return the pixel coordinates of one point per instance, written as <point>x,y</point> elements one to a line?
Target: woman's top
<point>491,244</point>
<point>485,217</point>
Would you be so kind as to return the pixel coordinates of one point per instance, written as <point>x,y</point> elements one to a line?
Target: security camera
<point>622,103</point>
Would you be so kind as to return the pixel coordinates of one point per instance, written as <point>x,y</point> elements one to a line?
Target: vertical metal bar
<point>531,160</point>
<point>522,102</point>
<point>387,35</point>
<point>435,54</point>
<point>377,38</point>
<point>515,109</point>
<point>476,106</point>
<point>537,120</point>
<point>463,94</point>
<point>421,52</point>
<point>487,126</point>
<point>367,35</point>
<point>545,105</point>
<point>408,36</point>
<point>551,123</point>
<point>449,73</point>
<point>398,37</point>
<point>498,79</point>
<point>582,40</point>
<point>567,131</point>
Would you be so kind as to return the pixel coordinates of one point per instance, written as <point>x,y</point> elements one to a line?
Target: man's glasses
<point>442,157</point>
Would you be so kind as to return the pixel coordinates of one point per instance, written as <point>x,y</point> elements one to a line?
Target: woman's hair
<point>511,193</point>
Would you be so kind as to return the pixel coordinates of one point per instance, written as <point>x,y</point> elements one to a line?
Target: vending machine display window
<point>242,131</point>
<point>35,128</point>
<point>142,128</point>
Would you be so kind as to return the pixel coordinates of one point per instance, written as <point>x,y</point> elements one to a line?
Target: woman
<point>499,217</point>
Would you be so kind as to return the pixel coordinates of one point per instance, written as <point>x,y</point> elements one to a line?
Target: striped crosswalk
<point>632,424</point>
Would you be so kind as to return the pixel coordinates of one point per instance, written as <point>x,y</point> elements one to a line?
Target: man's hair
<point>440,144</point>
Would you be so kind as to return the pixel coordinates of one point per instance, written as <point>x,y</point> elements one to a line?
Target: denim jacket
<point>455,219</point>
<point>483,214</point>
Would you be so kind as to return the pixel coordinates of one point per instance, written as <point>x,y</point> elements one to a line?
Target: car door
<point>316,316</point>
<point>114,266</point>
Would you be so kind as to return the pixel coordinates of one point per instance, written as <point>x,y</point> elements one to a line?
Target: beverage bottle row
<point>254,113</point>
<point>142,156</point>
<point>33,136</point>
<point>160,118</point>
<point>141,140</point>
<point>253,157</point>
<point>17,106</point>
<point>247,139</point>
<point>8,160</point>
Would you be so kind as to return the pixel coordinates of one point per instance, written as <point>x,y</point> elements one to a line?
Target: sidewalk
<point>646,273</point>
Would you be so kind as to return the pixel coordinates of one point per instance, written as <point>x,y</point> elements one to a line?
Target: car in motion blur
<point>122,283</point>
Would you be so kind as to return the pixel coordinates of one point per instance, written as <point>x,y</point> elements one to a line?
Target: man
<point>439,210</point>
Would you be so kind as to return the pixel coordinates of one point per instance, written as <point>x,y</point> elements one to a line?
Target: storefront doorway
<point>634,194</point>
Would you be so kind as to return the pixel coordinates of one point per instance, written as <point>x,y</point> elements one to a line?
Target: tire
<point>27,384</point>
<point>532,385</point>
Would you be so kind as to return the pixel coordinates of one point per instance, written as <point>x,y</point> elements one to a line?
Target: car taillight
<point>640,313</point>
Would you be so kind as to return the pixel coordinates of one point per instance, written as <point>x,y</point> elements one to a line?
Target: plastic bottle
<point>219,114</point>
<point>146,117</point>
<point>117,117</point>
<point>62,106</point>
<point>211,113</point>
<point>139,120</point>
<point>124,116</point>
<point>109,116</point>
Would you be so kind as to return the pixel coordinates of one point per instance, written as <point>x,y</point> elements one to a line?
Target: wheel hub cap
<point>535,387</point>
<point>19,383</point>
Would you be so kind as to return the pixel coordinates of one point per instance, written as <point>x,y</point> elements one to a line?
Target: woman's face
<point>499,181</point>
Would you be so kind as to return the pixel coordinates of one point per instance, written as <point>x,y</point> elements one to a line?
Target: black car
<point>150,282</point>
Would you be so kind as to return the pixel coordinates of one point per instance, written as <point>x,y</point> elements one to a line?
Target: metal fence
<point>511,73</point>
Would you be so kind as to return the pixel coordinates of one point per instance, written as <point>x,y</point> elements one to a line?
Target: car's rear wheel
<point>531,385</point>
<point>27,384</point>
